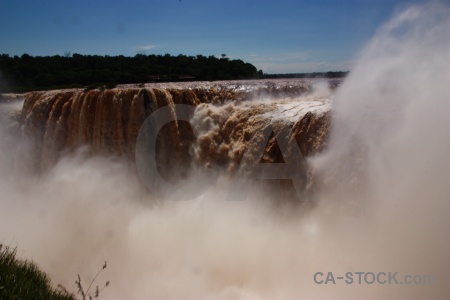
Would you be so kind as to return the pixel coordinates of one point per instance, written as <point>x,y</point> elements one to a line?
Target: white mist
<point>395,106</point>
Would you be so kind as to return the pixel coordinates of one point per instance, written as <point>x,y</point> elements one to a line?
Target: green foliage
<point>28,73</point>
<point>21,279</point>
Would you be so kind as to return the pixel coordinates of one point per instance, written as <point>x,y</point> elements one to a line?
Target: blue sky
<point>277,36</point>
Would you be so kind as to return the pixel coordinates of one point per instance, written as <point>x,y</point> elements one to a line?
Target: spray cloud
<point>392,111</point>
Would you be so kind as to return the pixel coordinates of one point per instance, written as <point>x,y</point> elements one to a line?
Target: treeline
<point>27,73</point>
<point>338,74</point>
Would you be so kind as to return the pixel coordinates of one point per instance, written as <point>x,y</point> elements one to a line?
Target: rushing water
<point>377,169</point>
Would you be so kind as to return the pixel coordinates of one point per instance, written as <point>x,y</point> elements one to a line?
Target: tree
<point>27,73</point>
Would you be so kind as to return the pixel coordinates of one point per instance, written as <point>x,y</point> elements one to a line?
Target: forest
<point>26,73</point>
